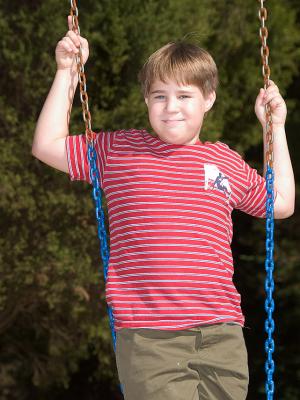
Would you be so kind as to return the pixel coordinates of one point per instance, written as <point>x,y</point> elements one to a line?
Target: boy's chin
<point>183,141</point>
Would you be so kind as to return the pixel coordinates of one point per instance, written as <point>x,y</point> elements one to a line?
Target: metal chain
<point>265,52</point>
<point>104,249</point>
<point>92,158</point>
<point>269,262</point>
<point>82,78</point>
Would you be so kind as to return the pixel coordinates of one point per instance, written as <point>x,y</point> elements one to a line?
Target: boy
<point>170,197</point>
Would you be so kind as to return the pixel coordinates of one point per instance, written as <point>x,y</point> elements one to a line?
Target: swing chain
<point>104,250</point>
<point>269,284</point>
<point>269,263</point>
<point>90,136</point>
<point>92,158</point>
<point>265,52</point>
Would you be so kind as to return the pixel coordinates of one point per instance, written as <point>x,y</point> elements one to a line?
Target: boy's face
<point>176,111</point>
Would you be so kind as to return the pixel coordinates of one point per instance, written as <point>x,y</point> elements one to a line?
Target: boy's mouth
<point>172,121</point>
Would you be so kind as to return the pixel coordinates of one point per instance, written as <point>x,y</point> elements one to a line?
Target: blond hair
<point>183,62</point>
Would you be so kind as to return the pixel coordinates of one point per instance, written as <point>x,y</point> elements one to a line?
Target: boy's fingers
<point>75,38</point>
<point>272,85</point>
<point>272,88</point>
<point>70,44</point>
<point>70,23</point>
<point>273,92</point>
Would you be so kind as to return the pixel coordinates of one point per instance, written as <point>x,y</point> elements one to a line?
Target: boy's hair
<point>183,62</point>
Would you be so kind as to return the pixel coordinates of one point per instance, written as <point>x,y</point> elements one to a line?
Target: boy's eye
<point>160,97</point>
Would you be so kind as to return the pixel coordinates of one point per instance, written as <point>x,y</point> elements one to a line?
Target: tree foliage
<point>53,320</point>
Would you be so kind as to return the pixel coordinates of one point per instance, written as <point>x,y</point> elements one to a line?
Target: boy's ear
<point>146,101</point>
<point>209,101</point>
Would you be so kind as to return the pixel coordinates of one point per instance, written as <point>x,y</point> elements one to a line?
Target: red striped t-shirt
<point>169,209</point>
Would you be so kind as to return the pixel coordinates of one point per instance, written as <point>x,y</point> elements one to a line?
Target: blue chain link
<point>102,235</point>
<point>269,284</point>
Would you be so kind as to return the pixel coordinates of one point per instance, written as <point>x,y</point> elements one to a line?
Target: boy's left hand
<point>277,105</point>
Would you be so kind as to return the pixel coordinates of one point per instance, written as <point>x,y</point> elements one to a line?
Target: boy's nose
<point>172,105</point>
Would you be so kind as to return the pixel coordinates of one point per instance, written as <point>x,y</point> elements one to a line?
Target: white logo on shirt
<point>215,179</point>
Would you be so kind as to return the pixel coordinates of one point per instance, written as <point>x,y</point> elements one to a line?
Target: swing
<point>97,194</point>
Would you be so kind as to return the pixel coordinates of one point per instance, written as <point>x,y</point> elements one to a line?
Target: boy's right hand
<point>69,46</point>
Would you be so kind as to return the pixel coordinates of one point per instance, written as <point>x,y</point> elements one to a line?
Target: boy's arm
<point>53,124</point>
<point>284,183</point>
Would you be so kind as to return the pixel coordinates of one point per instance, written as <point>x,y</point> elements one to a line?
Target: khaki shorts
<point>208,362</point>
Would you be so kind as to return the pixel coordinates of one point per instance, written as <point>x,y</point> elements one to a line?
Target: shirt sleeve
<point>253,201</point>
<point>76,148</point>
